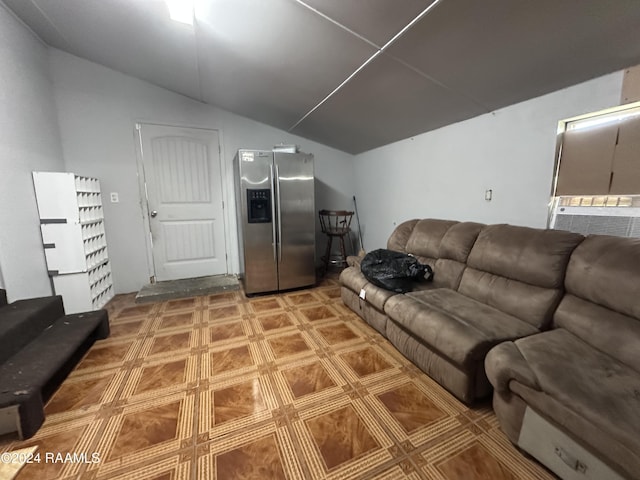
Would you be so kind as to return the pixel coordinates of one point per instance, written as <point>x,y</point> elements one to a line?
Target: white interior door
<point>183,182</point>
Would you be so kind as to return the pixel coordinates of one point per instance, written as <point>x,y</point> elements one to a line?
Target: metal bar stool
<point>335,223</point>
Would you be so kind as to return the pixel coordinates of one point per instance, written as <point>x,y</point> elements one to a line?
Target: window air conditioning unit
<point>618,221</point>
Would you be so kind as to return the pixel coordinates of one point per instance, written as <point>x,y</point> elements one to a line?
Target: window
<point>597,185</point>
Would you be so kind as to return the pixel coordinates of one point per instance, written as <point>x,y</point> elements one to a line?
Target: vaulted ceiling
<point>352,74</point>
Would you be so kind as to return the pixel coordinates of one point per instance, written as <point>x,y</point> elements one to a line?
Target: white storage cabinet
<point>75,246</point>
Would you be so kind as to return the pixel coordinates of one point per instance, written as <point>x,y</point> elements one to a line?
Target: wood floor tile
<point>171,343</point>
<point>410,407</point>
<point>475,463</point>
<point>232,359</point>
<point>220,298</point>
<point>104,354</point>
<point>337,333</point>
<point>161,376</point>
<point>180,304</point>
<point>66,441</point>
<point>307,379</point>
<point>265,305</point>
<point>176,320</point>
<point>125,328</point>
<point>145,429</point>
<point>237,401</point>
<point>73,395</point>
<point>365,362</point>
<point>256,460</point>
<point>223,312</point>
<point>277,386</point>
<point>314,314</point>
<point>137,310</point>
<point>332,293</point>
<point>302,298</point>
<point>275,321</point>
<point>225,331</point>
<point>341,436</point>
<point>288,345</point>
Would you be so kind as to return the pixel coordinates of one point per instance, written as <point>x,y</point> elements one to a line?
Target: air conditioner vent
<point>618,221</point>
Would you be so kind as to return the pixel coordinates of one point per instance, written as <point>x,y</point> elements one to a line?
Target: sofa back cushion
<point>398,239</point>
<point>426,237</point>
<point>454,250</point>
<point>602,300</point>
<point>519,270</point>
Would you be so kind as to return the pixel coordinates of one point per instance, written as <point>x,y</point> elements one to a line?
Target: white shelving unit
<point>75,246</point>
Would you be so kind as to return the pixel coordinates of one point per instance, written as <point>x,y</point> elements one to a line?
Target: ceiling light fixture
<point>180,11</point>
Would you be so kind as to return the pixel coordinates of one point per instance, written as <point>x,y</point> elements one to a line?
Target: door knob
<point>153,213</point>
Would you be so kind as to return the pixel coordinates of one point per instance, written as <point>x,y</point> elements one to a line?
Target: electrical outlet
<point>488,194</point>
<point>114,197</point>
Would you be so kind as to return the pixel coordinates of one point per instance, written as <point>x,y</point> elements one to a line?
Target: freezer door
<point>295,209</point>
<point>257,209</point>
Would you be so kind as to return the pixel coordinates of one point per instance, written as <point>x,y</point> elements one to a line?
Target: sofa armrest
<point>504,363</point>
<point>355,260</point>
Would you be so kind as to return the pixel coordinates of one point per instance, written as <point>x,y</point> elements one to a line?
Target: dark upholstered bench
<point>39,346</point>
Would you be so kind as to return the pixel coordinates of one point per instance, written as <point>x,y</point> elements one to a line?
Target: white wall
<point>444,173</point>
<point>29,140</point>
<point>97,111</point>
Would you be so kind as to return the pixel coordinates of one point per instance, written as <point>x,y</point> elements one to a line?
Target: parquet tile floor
<point>291,385</point>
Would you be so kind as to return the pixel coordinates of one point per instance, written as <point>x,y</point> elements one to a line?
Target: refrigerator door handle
<point>273,215</point>
<point>279,216</point>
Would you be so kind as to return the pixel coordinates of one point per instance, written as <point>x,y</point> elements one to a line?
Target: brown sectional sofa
<point>556,316</point>
<point>491,283</point>
<point>570,396</point>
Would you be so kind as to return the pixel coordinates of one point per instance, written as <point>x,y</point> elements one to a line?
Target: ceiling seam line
<point>335,22</point>
<point>53,25</point>
<point>439,83</point>
<point>410,24</point>
<point>15,16</point>
<point>369,60</point>
<point>353,74</point>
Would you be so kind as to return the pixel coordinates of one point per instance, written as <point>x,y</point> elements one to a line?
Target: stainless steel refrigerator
<point>276,220</point>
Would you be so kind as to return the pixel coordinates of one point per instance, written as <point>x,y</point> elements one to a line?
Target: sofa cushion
<point>530,255</point>
<point>594,385</point>
<point>426,237</point>
<point>602,303</point>
<point>458,241</point>
<point>452,255</point>
<point>458,327</point>
<point>353,279</point>
<point>519,270</point>
<point>532,304</point>
<point>614,333</point>
<point>602,270</point>
<point>399,237</point>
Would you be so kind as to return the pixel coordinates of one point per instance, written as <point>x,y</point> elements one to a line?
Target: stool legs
<point>327,255</point>
<point>343,252</point>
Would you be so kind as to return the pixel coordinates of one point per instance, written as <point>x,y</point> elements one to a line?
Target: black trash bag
<point>393,270</point>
